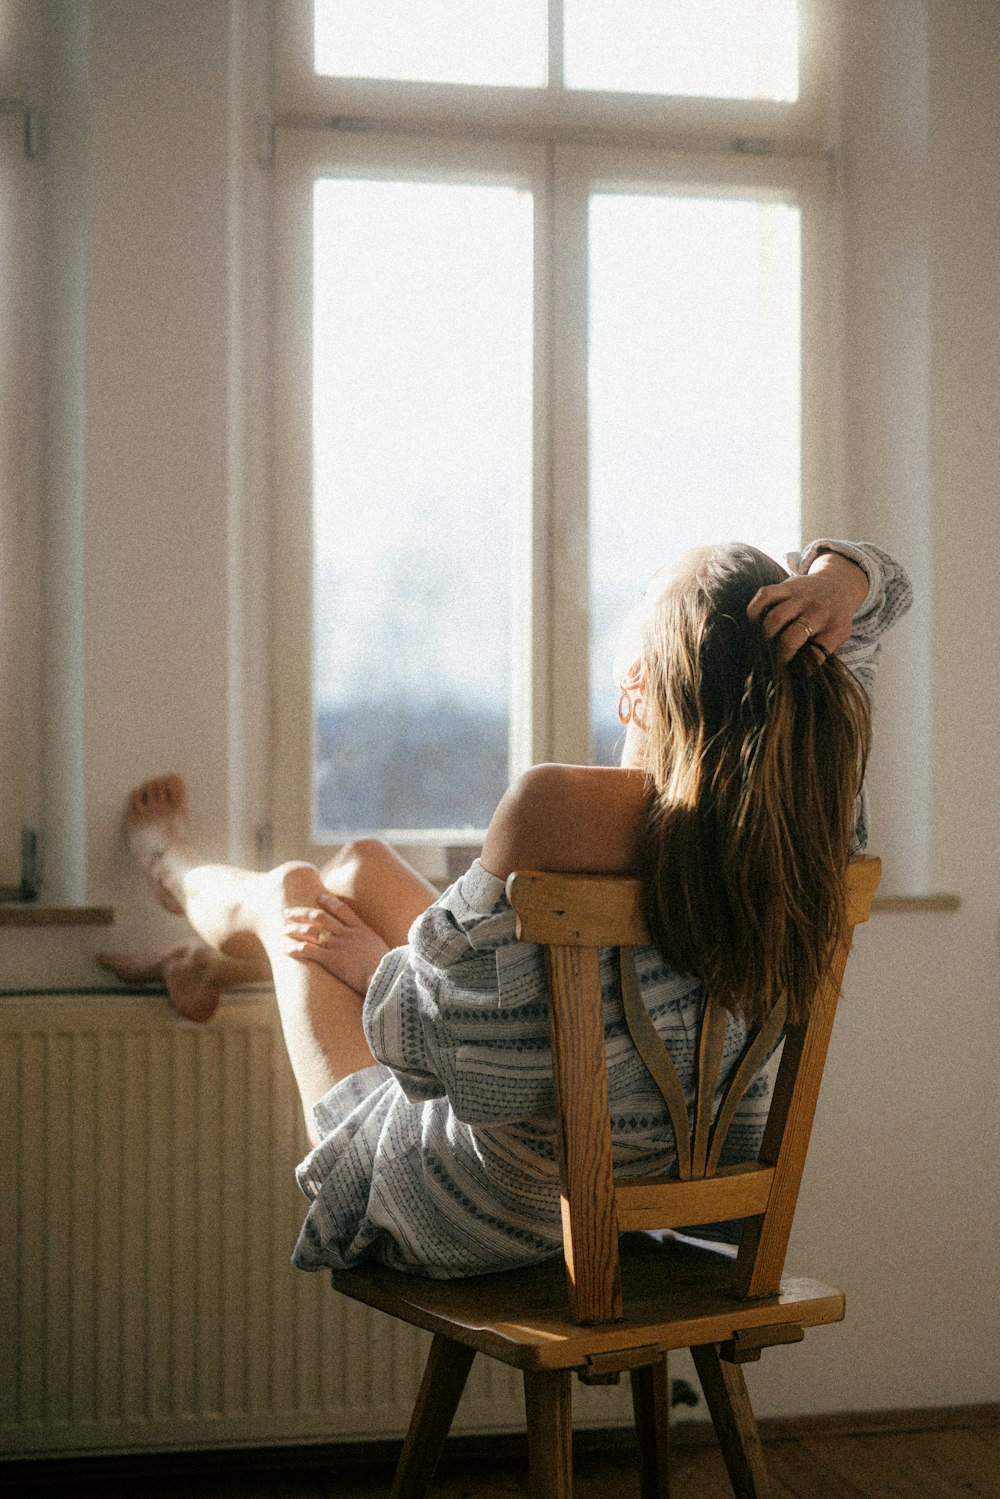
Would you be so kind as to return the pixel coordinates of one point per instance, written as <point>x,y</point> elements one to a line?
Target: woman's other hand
<point>332,934</point>
<point>818,608</point>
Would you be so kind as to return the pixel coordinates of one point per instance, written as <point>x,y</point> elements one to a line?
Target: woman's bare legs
<point>381,887</point>
<point>195,975</point>
<point>243,915</point>
<point>385,892</point>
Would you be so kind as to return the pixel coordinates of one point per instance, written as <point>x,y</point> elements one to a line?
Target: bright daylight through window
<point>693,379</point>
<point>722,49</point>
<point>422,402</point>
<point>539,372</point>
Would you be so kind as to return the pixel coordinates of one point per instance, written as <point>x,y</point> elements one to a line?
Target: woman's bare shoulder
<point>569,817</point>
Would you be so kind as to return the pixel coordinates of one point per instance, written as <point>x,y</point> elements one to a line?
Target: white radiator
<point>148,1210</point>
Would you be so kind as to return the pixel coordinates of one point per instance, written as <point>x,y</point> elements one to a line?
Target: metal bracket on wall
<point>31,874</point>
<point>264,128</point>
<point>32,125</point>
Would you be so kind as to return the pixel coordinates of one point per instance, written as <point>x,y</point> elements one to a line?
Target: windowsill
<point>944,900</point>
<point>32,913</point>
<point>24,913</point>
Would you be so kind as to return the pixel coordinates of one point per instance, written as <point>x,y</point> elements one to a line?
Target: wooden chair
<point>622,1306</point>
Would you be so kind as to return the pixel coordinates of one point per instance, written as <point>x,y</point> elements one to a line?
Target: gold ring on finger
<point>801,621</point>
<point>323,938</point>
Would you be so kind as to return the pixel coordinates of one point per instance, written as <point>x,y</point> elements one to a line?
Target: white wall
<point>901,1203</point>
<point>156,531</point>
<point>157,464</point>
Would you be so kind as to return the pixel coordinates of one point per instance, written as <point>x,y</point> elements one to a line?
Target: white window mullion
<point>291,630</point>
<point>570,626</point>
<point>20,498</point>
<point>820,480</point>
<point>531,707</point>
<point>557,44</point>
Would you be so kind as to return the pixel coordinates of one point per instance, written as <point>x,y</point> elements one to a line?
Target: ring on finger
<point>801,622</point>
<point>323,937</point>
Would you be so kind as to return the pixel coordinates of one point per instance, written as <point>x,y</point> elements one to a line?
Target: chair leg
<point>735,1426</point>
<point>445,1373</point>
<point>651,1404</point>
<point>548,1403</point>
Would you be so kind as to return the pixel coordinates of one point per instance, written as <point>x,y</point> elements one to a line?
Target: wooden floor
<point>939,1464</point>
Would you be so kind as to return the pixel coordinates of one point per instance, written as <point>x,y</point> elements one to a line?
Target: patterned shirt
<point>441,1158</point>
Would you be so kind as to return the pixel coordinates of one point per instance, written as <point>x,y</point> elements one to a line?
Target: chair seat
<point>677,1295</point>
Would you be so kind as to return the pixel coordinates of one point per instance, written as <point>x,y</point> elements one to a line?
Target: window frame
<point>574,141</point>
<point>21,404</point>
<point>554,111</point>
<point>300,159</point>
<point>579,170</point>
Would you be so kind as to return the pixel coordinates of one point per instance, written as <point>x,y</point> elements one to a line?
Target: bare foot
<point>194,975</point>
<point>156,821</point>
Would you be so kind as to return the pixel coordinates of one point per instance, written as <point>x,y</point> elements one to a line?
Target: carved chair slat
<point>711,1043</point>
<point>590,1224</point>
<point>575,916</point>
<point>760,1043</point>
<point>659,1063</point>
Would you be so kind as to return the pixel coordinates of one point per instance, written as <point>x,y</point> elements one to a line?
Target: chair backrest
<point>574,916</point>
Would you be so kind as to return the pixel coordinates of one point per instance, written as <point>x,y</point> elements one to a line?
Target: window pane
<point>422,435</point>
<point>434,41</point>
<point>721,49</point>
<point>694,397</point>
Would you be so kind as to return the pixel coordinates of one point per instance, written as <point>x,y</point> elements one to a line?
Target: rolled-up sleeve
<point>461,1009</point>
<point>889,595</point>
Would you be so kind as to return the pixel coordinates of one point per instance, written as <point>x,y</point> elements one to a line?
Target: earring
<point>631,695</point>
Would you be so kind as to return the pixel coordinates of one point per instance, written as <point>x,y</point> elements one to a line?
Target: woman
<point>416,1026</point>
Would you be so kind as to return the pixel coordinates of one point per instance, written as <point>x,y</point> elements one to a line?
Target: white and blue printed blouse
<point>441,1157</point>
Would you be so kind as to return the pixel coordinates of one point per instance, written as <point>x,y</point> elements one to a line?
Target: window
<point>20,484</point>
<point>422,426</point>
<point>520,368</point>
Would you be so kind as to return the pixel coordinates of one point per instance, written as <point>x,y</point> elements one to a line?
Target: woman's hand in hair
<point>816,609</point>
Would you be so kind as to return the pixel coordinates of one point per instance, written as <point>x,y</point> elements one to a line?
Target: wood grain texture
<point>659,1063</point>
<point>760,1043</point>
<point>651,1407</point>
<point>733,1193</point>
<point>579,1073</point>
<point>786,1137</point>
<point>793,1104</point>
<point>711,1041</point>
<point>444,1379</point>
<point>863,876</point>
<point>732,1416</point>
<point>578,909</point>
<point>606,1465</point>
<point>673,1295</point>
<point>908,1467</point>
<point>548,1407</point>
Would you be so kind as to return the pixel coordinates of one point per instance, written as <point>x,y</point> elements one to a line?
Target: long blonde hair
<point>756,766</point>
